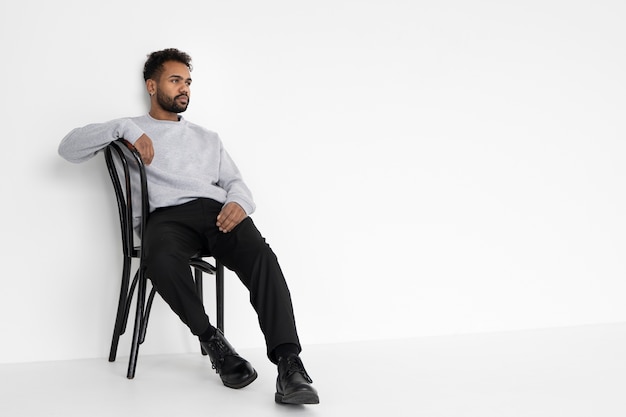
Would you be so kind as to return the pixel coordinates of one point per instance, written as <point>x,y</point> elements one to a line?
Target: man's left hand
<point>231,215</point>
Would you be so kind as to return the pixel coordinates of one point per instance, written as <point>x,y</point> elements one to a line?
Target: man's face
<point>173,87</point>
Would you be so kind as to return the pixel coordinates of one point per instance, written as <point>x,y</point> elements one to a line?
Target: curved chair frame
<point>125,153</point>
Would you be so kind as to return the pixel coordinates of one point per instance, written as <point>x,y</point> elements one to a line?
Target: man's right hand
<point>145,148</point>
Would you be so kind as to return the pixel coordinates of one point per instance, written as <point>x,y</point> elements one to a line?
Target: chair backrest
<point>124,162</point>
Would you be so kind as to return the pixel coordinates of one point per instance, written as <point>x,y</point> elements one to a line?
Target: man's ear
<point>151,86</point>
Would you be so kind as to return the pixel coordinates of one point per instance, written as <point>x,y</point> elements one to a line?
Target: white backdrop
<point>420,168</point>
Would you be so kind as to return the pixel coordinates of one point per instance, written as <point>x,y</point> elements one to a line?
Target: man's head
<point>154,65</point>
<point>168,80</point>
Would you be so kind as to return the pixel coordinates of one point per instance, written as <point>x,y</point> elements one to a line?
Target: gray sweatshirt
<point>189,161</point>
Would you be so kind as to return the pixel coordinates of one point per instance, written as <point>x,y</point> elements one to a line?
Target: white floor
<point>558,372</point>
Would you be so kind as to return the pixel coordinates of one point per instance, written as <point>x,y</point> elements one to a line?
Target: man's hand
<point>145,148</point>
<point>231,215</point>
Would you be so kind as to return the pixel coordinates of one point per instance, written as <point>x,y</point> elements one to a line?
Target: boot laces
<point>221,349</point>
<point>294,365</point>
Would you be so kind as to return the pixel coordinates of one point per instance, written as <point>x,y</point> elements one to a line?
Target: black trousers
<point>175,234</point>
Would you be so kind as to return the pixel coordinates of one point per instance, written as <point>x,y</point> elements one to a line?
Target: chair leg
<point>134,349</point>
<point>219,295</point>
<point>198,280</point>
<point>122,310</point>
<point>142,313</point>
<point>146,315</point>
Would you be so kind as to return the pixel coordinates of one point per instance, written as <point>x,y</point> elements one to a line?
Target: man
<point>199,202</point>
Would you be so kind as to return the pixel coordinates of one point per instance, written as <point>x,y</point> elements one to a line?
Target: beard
<point>170,104</point>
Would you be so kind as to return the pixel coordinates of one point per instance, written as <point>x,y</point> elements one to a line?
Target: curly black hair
<point>154,65</point>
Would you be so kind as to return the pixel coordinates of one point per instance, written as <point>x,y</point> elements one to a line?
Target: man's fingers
<point>147,154</point>
<point>226,223</point>
<point>145,148</point>
<point>231,215</point>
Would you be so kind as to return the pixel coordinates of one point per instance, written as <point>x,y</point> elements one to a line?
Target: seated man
<point>199,202</point>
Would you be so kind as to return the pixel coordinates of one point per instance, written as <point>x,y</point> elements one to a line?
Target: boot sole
<point>242,384</point>
<point>301,397</point>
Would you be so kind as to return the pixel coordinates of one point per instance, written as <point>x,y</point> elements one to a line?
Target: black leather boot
<point>235,371</point>
<point>293,385</point>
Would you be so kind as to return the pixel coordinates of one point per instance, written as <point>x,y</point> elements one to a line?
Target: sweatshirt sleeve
<point>84,143</point>
<point>231,181</point>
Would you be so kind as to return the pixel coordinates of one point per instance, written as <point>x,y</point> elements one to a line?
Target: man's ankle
<point>286,349</point>
<point>208,334</point>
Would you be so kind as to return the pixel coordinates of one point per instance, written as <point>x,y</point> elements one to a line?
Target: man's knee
<point>164,258</point>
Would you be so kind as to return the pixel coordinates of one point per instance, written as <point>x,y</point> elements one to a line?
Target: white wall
<point>420,168</point>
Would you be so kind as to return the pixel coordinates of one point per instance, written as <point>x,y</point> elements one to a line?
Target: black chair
<point>120,157</point>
